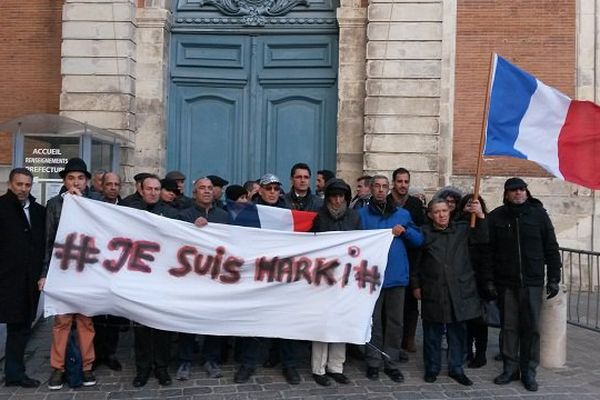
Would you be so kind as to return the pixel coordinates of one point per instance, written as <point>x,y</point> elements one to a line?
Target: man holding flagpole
<point>522,242</point>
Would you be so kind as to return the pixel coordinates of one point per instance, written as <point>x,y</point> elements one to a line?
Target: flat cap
<point>514,183</point>
<point>141,176</point>
<point>175,175</point>
<point>217,181</point>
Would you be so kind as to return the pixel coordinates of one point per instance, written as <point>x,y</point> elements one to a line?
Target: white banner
<point>216,280</point>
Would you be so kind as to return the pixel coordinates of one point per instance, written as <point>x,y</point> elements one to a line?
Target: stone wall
<point>403,88</point>
<point>154,24</point>
<point>98,65</point>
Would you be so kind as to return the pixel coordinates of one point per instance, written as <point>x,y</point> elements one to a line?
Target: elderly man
<point>22,240</point>
<point>286,350</point>
<point>96,185</point>
<point>387,334</point>
<point>523,242</point>
<point>111,188</point>
<point>107,327</point>
<point>75,181</point>
<point>151,345</point>
<point>200,214</point>
<point>299,197</point>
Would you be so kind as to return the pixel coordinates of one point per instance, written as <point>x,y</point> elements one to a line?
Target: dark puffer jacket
<point>528,231</point>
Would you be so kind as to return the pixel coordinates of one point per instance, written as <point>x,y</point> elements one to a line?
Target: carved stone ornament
<point>254,12</point>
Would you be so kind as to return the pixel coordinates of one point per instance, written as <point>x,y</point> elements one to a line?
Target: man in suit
<point>22,239</point>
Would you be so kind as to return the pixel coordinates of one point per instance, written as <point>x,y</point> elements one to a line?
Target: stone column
<point>402,107</point>
<point>154,27</point>
<point>98,65</point>
<point>588,70</point>
<point>352,20</point>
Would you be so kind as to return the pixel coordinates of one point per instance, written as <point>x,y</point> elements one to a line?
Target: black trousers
<point>520,310</point>
<point>106,338</point>
<point>477,331</point>
<point>152,349</point>
<point>17,336</point>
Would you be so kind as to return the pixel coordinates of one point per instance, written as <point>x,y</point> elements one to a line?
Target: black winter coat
<point>325,222</point>
<point>21,258</point>
<point>445,275</point>
<point>525,230</point>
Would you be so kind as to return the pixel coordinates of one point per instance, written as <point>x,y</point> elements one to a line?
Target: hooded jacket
<point>397,269</point>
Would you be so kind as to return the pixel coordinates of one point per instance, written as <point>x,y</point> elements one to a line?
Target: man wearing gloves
<point>522,241</point>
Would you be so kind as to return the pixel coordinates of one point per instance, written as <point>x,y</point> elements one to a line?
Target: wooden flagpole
<point>482,138</point>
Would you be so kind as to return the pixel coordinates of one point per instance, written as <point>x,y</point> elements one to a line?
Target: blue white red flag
<point>531,120</point>
<point>274,218</point>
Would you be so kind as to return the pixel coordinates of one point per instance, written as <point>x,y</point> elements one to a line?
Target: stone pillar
<point>154,27</point>
<point>588,63</point>
<point>352,20</point>
<point>402,107</point>
<point>98,65</point>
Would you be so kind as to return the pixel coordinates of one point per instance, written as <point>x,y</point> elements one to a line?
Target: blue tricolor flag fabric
<point>531,120</point>
<point>265,217</point>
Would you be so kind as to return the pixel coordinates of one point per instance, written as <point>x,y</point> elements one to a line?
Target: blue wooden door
<point>245,104</point>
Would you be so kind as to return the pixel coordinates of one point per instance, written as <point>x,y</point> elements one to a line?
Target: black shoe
<point>140,380</point>
<point>25,382</point>
<point>322,380</point>
<point>430,377</point>
<point>163,377</point>
<point>394,374</point>
<point>373,373</point>
<point>529,383</point>
<point>477,363</point>
<point>462,379</point>
<point>506,378</point>
<point>243,374</point>
<point>291,375</point>
<point>339,377</point>
<point>113,364</point>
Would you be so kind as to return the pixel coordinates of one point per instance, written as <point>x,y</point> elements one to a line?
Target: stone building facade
<point>411,86</point>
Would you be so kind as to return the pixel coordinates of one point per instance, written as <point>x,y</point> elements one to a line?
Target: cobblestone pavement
<point>579,380</point>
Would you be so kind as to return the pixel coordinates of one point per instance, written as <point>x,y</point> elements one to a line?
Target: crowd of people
<point>436,258</point>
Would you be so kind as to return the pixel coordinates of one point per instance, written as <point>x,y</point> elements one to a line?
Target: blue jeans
<point>456,333</point>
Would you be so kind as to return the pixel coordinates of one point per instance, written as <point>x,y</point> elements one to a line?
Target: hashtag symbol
<point>82,253</point>
<point>367,276</point>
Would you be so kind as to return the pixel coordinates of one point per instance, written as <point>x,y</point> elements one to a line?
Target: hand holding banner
<point>216,280</point>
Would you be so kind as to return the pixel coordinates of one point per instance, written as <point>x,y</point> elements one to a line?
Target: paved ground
<point>579,380</point>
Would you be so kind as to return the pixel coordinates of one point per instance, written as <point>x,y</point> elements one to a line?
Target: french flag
<point>274,218</point>
<point>531,120</point>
